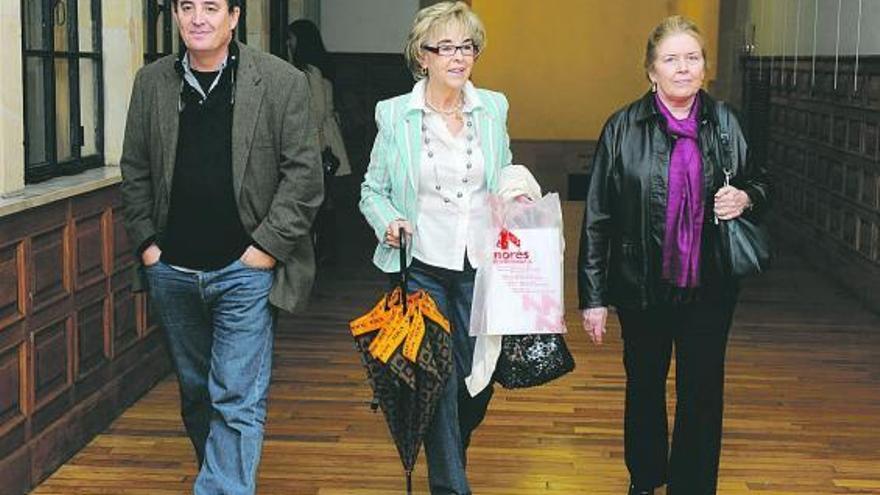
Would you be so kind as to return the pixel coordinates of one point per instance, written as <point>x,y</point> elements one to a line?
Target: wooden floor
<point>802,410</point>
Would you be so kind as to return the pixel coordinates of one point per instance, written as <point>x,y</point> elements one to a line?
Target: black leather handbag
<point>531,360</point>
<point>745,243</point>
<point>746,246</point>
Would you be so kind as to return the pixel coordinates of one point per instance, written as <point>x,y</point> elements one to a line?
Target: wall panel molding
<point>817,126</point>
<point>76,344</point>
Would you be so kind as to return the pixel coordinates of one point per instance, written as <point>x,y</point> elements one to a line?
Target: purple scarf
<point>684,202</point>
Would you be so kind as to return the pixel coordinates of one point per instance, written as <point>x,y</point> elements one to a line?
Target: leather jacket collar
<point>646,109</point>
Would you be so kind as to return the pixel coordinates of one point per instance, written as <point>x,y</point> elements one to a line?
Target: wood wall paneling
<point>11,390</point>
<point>362,80</point>
<point>74,349</point>
<point>49,267</point>
<point>91,348</point>
<point>821,138</point>
<point>51,361</point>
<point>150,321</point>
<point>121,247</point>
<point>12,296</point>
<point>89,249</point>
<point>125,327</point>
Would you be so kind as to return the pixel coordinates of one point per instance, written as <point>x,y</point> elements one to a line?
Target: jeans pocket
<point>256,268</point>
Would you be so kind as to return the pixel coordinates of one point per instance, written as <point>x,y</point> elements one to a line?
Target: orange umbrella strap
<point>414,338</point>
<point>374,319</point>
<point>389,339</point>
<point>429,310</point>
<point>395,297</point>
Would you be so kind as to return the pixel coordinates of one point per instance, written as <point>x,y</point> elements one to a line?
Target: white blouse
<point>452,193</point>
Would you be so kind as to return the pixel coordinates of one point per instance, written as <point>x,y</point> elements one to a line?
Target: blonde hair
<point>675,24</point>
<point>430,20</point>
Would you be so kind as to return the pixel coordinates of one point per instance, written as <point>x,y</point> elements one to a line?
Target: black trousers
<point>698,333</point>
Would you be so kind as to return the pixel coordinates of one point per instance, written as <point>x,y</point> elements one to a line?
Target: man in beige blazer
<point>221,182</point>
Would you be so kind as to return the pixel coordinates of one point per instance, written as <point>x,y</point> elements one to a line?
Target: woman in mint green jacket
<point>437,156</point>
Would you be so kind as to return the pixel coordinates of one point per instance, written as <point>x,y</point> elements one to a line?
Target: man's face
<point>205,25</point>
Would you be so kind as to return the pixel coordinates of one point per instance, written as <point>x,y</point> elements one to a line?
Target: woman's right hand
<point>593,320</point>
<point>392,233</point>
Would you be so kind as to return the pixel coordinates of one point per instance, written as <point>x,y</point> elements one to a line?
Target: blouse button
<point>460,194</point>
<point>446,200</point>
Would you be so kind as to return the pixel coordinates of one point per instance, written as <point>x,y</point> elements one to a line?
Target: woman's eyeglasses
<point>448,49</point>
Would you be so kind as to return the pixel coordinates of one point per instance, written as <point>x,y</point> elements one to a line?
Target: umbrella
<point>406,348</point>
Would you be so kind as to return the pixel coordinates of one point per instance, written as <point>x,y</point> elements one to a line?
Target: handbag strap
<point>724,138</point>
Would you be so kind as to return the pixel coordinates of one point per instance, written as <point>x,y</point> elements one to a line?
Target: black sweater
<point>204,230</point>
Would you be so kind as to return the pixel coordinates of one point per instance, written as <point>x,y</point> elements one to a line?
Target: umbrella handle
<point>403,269</point>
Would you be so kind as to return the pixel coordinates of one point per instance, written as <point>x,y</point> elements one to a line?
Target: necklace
<point>469,153</point>
<point>454,112</point>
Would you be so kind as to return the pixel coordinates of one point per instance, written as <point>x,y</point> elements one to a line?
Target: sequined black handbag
<point>531,360</point>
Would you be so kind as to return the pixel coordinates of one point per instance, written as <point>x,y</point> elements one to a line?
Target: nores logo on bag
<point>504,254</point>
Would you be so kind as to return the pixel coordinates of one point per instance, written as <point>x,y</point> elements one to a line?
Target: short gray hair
<point>434,18</point>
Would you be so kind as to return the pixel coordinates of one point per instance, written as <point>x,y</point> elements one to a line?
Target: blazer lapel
<point>169,117</point>
<point>248,98</point>
<point>485,130</point>
<point>413,137</point>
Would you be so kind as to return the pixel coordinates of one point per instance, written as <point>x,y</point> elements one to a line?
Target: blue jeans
<point>458,414</point>
<point>219,326</point>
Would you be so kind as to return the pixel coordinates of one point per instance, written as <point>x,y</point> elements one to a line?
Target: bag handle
<point>724,139</point>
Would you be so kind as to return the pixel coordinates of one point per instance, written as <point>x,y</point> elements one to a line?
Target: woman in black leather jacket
<point>649,247</point>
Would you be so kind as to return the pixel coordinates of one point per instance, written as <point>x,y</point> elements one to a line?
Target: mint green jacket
<point>390,188</point>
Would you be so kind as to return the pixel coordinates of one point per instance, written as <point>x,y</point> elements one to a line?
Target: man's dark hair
<point>232,4</point>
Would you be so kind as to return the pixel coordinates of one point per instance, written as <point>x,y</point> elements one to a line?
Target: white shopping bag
<point>518,287</point>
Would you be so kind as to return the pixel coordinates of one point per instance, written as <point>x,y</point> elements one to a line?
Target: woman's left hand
<point>730,202</point>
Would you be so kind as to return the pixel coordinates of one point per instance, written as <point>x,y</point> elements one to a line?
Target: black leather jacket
<point>625,212</point>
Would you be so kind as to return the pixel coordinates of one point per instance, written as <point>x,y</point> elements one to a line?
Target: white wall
<point>11,104</point>
<point>258,25</point>
<point>796,27</point>
<point>122,35</point>
<point>374,26</point>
